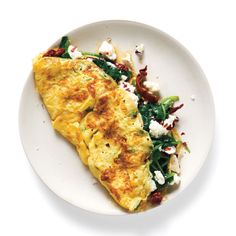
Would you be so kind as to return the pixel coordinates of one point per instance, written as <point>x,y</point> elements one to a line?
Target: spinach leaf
<point>152,111</point>
<point>169,177</point>
<point>164,141</point>
<point>91,54</point>
<point>65,43</point>
<point>168,102</point>
<point>146,113</point>
<point>156,111</point>
<point>113,71</point>
<point>66,55</point>
<point>159,111</point>
<point>160,160</point>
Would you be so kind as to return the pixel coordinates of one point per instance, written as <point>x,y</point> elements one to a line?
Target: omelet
<point>100,119</point>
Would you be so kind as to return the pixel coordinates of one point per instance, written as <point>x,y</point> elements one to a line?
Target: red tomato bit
<point>156,198</point>
<point>174,109</point>
<point>122,67</point>
<point>143,91</point>
<point>54,52</point>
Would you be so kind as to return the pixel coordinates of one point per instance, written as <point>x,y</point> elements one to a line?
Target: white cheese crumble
<point>126,60</point>
<point>156,129</point>
<point>193,98</point>
<point>169,121</point>
<point>130,89</point>
<point>107,50</point>
<point>152,87</point>
<point>169,150</point>
<point>89,59</point>
<point>123,77</point>
<point>176,180</point>
<point>74,52</point>
<point>158,176</point>
<point>139,50</point>
<point>110,64</point>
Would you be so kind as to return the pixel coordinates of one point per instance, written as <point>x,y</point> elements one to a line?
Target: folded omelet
<point>88,108</point>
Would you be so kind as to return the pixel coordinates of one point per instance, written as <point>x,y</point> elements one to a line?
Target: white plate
<point>56,161</point>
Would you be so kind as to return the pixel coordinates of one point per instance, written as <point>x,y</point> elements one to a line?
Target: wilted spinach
<point>156,111</point>
<point>160,160</point>
<point>164,141</point>
<point>65,43</point>
<point>113,71</point>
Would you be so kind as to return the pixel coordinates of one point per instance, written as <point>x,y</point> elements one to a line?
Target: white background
<point>207,29</point>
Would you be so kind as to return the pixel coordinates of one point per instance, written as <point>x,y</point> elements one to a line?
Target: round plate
<point>56,161</point>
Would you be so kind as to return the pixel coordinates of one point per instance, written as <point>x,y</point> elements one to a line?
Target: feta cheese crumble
<point>152,87</point>
<point>74,52</point>
<point>123,77</point>
<point>107,50</point>
<point>169,150</point>
<point>156,129</point>
<point>158,176</point>
<point>110,64</point>
<point>193,98</point>
<point>176,180</point>
<point>139,50</point>
<point>169,121</point>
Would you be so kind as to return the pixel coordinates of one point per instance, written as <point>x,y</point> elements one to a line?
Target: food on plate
<point>139,50</point>
<point>121,127</point>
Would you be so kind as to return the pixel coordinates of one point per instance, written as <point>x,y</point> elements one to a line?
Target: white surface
<point>56,161</point>
<point>207,29</point>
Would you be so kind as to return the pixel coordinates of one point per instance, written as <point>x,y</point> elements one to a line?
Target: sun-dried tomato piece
<point>143,91</point>
<point>156,198</point>
<point>54,52</point>
<point>49,53</point>
<point>174,109</point>
<point>122,67</point>
<point>59,52</point>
